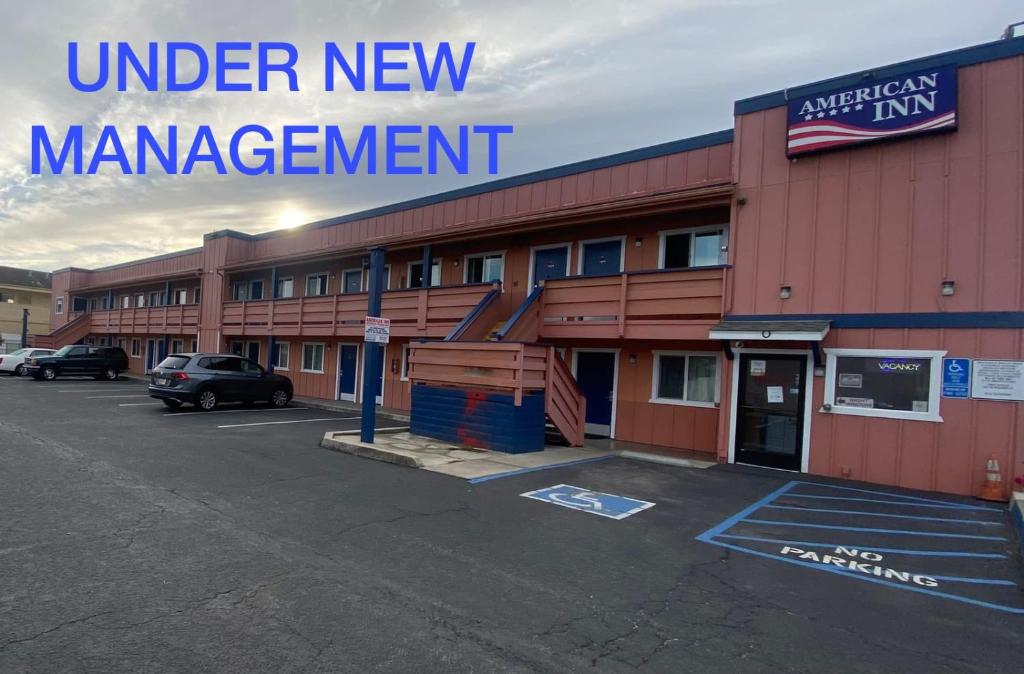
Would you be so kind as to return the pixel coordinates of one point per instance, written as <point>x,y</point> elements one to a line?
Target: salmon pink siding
<point>877,229</point>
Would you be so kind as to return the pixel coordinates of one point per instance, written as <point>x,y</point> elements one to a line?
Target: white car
<point>13,363</point>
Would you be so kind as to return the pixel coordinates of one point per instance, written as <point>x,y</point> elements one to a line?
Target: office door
<point>770,410</point>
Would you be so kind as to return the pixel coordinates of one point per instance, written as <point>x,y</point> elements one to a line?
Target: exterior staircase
<point>71,332</point>
<point>485,353</point>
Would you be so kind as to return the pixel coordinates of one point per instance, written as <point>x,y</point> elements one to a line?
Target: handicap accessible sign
<point>594,502</point>
<point>956,377</point>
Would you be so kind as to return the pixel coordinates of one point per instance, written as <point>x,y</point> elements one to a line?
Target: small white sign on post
<point>997,380</point>
<point>377,330</point>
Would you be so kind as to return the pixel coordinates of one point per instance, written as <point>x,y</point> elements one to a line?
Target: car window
<point>219,363</point>
<point>94,351</point>
<point>249,367</point>
<point>19,352</point>
<point>78,351</point>
<point>174,363</point>
<point>230,365</point>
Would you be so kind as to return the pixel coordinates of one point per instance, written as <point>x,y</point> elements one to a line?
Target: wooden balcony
<point>664,304</point>
<point>414,312</point>
<point>180,319</point>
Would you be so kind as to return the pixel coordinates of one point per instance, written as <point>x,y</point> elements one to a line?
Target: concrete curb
<point>666,460</point>
<point>332,443</point>
<point>334,407</point>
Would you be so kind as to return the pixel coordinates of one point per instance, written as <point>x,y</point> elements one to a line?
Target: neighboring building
<point>709,294</point>
<point>20,290</point>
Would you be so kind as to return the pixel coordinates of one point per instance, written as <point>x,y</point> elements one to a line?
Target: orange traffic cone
<point>992,489</point>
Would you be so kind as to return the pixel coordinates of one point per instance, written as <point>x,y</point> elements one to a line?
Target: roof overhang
<point>771,331</point>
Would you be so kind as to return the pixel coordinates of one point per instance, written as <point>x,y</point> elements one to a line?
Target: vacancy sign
<point>377,330</point>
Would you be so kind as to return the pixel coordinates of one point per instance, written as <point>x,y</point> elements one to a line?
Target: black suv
<point>207,379</point>
<point>102,362</point>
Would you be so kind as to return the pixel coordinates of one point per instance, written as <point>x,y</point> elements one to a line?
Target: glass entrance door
<point>770,410</point>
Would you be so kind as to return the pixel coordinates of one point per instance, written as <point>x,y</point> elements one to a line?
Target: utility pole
<point>373,352</point>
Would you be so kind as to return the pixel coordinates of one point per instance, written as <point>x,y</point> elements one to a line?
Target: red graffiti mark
<point>466,435</point>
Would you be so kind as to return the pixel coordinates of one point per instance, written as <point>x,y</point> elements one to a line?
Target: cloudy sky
<point>578,79</point>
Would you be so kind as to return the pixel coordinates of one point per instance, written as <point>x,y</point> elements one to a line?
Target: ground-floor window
<point>194,345</point>
<point>237,348</point>
<point>136,348</point>
<point>282,354</point>
<point>177,345</point>
<point>313,358</point>
<point>683,378</point>
<point>884,383</point>
<point>405,362</point>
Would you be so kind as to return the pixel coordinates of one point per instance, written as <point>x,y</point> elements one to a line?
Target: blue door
<point>550,263</point>
<point>602,257</point>
<point>253,351</point>
<point>353,281</point>
<point>347,372</point>
<point>595,374</point>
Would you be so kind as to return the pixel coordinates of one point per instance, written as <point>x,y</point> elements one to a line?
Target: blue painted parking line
<point>594,502</point>
<point>867,559</point>
<point>899,503</point>
<point>903,532</point>
<point>869,548</point>
<point>957,520</point>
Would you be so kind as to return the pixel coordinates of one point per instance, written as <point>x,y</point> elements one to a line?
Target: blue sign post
<point>372,351</point>
<point>956,377</point>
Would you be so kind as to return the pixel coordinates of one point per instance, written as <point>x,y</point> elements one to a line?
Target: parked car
<point>208,379</point>
<point>13,363</point>
<point>102,362</point>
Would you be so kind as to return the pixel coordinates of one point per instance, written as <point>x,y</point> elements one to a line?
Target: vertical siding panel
<point>894,232</point>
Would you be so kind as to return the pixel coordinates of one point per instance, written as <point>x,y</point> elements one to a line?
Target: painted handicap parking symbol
<point>595,502</point>
<point>943,548</point>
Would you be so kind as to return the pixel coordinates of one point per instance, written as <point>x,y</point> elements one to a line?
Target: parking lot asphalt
<point>139,539</point>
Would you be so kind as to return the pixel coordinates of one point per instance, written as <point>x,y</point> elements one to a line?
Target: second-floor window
<point>247,290</point>
<point>154,299</point>
<point>196,296</point>
<point>694,247</point>
<point>126,302</point>
<point>181,296</point>
<point>285,287</point>
<point>316,284</point>
<point>416,274</point>
<point>485,267</point>
<point>256,289</point>
<point>140,300</point>
<point>58,307</point>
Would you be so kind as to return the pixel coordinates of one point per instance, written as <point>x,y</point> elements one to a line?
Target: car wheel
<point>173,404</point>
<point>49,373</point>
<point>19,371</point>
<point>207,400</point>
<point>280,397</point>
<point>110,374</point>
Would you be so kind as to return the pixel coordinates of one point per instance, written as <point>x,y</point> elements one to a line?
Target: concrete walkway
<point>478,465</point>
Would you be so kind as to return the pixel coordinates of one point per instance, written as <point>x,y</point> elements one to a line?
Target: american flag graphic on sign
<point>873,110</point>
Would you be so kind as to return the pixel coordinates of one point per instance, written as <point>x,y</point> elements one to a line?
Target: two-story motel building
<point>771,294</point>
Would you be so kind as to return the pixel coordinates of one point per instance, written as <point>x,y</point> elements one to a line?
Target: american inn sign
<point>873,110</point>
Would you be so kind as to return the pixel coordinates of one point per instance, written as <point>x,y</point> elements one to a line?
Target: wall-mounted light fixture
<point>455,262</point>
<point>638,241</point>
<point>948,288</point>
<point>785,292</point>
<point>632,359</point>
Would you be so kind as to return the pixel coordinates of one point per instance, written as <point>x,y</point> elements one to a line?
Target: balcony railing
<point>663,304</point>
<point>414,312</point>
<point>173,319</point>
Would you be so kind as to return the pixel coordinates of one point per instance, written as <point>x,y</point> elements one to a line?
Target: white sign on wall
<point>997,380</point>
<point>377,330</point>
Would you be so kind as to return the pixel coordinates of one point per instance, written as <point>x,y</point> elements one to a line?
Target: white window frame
<point>684,402</point>
<point>662,235</point>
<point>287,361</point>
<point>327,286</point>
<point>126,301</point>
<point>197,294</point>
<point>140,300</point>
<point>58,308</point>
<point>239,285</point>
<point>440,273</point>
<point>550,246</point>
<point>581,246</point>
<point>290,279</point>
<point>136,351</point>
<point>404,372</point>
<point>934,383</point>
<point>155,303</point>
<point>362,279</point>
<point>263,289</point>
<point>182,294</point>
<point>193,345</point>
<point>471,256</point>
<point>180,348</point>
<point>323,357</point>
